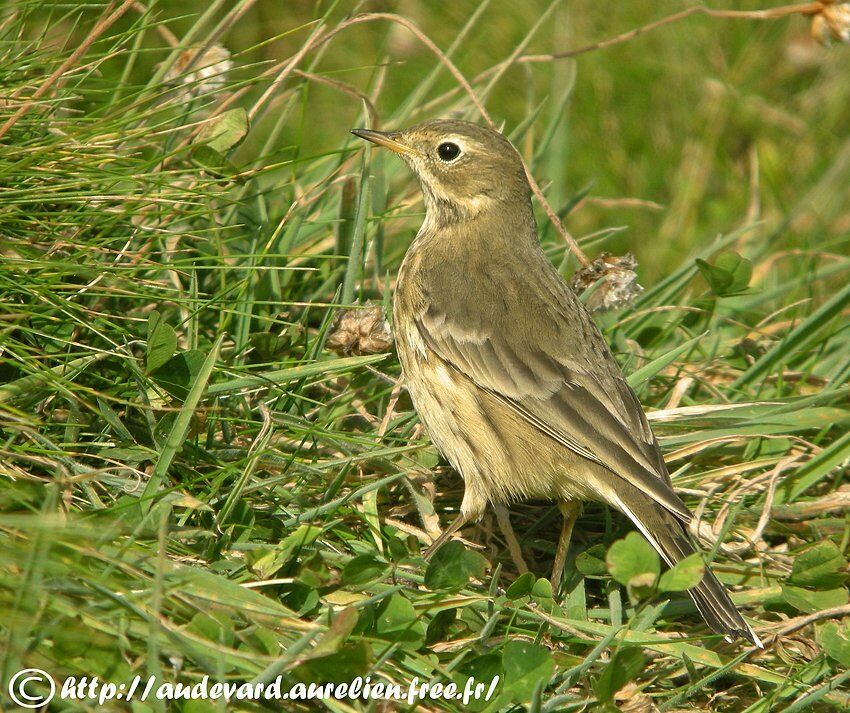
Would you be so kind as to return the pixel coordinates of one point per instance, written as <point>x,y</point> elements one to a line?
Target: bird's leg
<point>445,535</point>
<point>570,511</point>
<point>507,529</point>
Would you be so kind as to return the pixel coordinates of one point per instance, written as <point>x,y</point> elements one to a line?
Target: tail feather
<point>667,535</point>
<point>710,596</point>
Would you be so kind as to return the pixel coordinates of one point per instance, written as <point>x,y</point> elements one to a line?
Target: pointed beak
<point>387,139</point>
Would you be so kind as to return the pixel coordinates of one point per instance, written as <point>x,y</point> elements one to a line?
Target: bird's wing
<point>530,343</point>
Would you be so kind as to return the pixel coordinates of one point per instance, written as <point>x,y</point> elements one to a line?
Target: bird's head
<point>463,168</point>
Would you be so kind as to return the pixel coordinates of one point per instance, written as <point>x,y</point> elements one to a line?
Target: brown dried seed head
<point>617,282</point>
<point>832,23</point>
<point>360,331</point>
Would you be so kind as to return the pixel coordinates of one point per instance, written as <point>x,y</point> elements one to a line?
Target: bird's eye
<point>447,151</point>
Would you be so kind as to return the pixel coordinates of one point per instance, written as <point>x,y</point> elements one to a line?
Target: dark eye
<point>447,151</point>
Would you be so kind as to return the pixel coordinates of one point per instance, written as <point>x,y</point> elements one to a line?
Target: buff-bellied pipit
<point>508,372</point>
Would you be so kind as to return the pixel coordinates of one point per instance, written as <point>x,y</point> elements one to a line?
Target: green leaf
<point>263,641</point>
<point>177,434</point>
<point>397,620</point>
<point>363,569</point>
<point>685,574</point>
<point>521,586</point>
<point>452,566</point>
<point>541,594</point>
<point>591,562</point>
<point>131,456</point>
<point>350,661</point>
<point>632,557</point>
<point>269,346</point>
<point>693,673</point>
<point>265,561</point>
<point>542,589</point>
<point>340,629</point>
<point>525,665</point>
<point>834,639</point>
<point>440,625</point>
<point>810,601</point>
<point>162,341</point>
<point>729,275</point>
<point>484,669</point>
<point>314,571</point>
<point>641,585</point>
<point>302,598</point>
<point>214,162</point>
<point>214,591</point>
<point>178,373</point>
<point>820,567</point>
<point>303,537</point>
<point>114,421</point>
<point>624,666</point>
<point>217,630</point>
<point>224,131</point>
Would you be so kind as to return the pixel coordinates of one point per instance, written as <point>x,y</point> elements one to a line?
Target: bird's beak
<point>386,139</point>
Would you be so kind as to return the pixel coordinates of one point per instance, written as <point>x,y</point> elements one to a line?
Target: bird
<point>510,375</point>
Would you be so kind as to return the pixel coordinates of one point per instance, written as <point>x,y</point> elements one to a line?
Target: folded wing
<point>551,365</point>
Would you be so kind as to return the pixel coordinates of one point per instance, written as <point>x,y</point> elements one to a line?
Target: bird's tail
<point>667,535</point>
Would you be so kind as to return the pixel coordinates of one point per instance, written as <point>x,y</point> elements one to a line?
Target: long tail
<point>667,535</point>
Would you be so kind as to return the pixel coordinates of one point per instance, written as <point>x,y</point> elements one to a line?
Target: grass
<point>192,484</point>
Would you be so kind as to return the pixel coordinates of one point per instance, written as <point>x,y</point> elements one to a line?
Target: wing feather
<point>552,367</point>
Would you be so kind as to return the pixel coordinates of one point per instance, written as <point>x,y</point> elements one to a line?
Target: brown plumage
<point>507,370</point>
